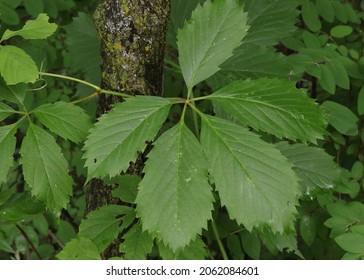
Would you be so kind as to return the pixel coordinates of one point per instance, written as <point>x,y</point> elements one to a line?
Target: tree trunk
<point>132,46</point>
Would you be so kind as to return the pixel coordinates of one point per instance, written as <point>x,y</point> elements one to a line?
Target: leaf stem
<point>100,90</point>
<point>195,118</point>
<point>219,243</point>
<point>25,235</point>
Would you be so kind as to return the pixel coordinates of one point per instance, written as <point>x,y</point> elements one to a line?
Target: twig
<point>29,241</point>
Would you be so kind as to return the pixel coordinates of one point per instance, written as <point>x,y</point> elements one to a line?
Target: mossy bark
<point>132,47</point>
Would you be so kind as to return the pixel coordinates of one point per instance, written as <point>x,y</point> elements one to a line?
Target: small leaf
<point>4,244</point>
<point>340,11</point>
<point>207,39</point>
<point>255,182</point>
<point>103,225</point>
<point>65,119</point>
<point>33,7</point>
<point>80,248</point>
<point>19,207</point>
<point>274,106</point>
<point>325,9</point>
<point>118,135</point>
<point>341,31</point>
<point>351,242</point>
<point>174,199</point>
<point>314,167</point>
<point>8,14</point>
<point>327,79</point>
<point>5,111</point>
<point>361,101</point>
<point>45,169</point>
<point>16,66</point>
<point>196,250</point>
<point>357,171</point>
<point>310,16</point>
<point>251,244</point>
<point>341,118</point>
<point>137,244</point>
<point>340,74</point>
<point>308,229</point>
<point>14,94</point>
<point>39,28</point>
<point>7,147</point>
<point>128,187</point>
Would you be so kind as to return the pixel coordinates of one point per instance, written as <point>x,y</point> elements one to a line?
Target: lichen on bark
<point>132,36</point>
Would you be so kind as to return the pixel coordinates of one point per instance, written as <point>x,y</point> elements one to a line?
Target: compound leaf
<point>5,111</point>
<point>255,182</point>
<point>209,38</point>
<point>45,169</point>
<point>118,135</point>
<point>65,119</point>
<point>175,200</point>
<point>274,106</point>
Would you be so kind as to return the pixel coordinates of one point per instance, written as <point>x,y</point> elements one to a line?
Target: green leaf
<point>278,242</point>
<point>340,74</point>
<point>310,16</point>
<point>39,28</point>
<point>196,250</point>
<point>269,21</point>
<point>4,244</point>
<point>340,11</point>
<point>83,43</point>
<point>327,80</point>
<point>7,147</point>
<point>174,199</point>
<point>361,101</point>
<point>80,248</point>
<point>357,171</point>
<point>251,244</point>
<point>128,187</point>
<point>344,215</point>
<point>274,106</point>
<point>308,229</point>
<point>314,167</point>
<point>45,169</point>
<point>16,66</point>
<point>8,14</point>
<point>234,246</point>
<point>207,39</point>
<point>5,111</point>
<point>103,225</point>
<point>255,182</point>
<point>137,244</point>
<point>19,207</point>
<point>34,7</point>
<point>118,135</point>
<point>341,118</point>
<point>351,242</point>
<point>65,119</point>
<point>14,94</point>
<point>341,31</point>
<point>325,10</point>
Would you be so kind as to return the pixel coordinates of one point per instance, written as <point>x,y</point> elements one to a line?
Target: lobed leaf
<point>209,38</point>
<point>45,169</point>
<point>255,182</point>
<point>7,147</point>
<point>174,199</point>
<point>39,28</point>
<point>274,106</point>
<point>65,119</point>
<point>16,66</point>
<point>118,135</point>
<point>196,250</point>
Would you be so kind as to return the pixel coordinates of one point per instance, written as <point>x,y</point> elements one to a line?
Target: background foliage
<point>299,183</point>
